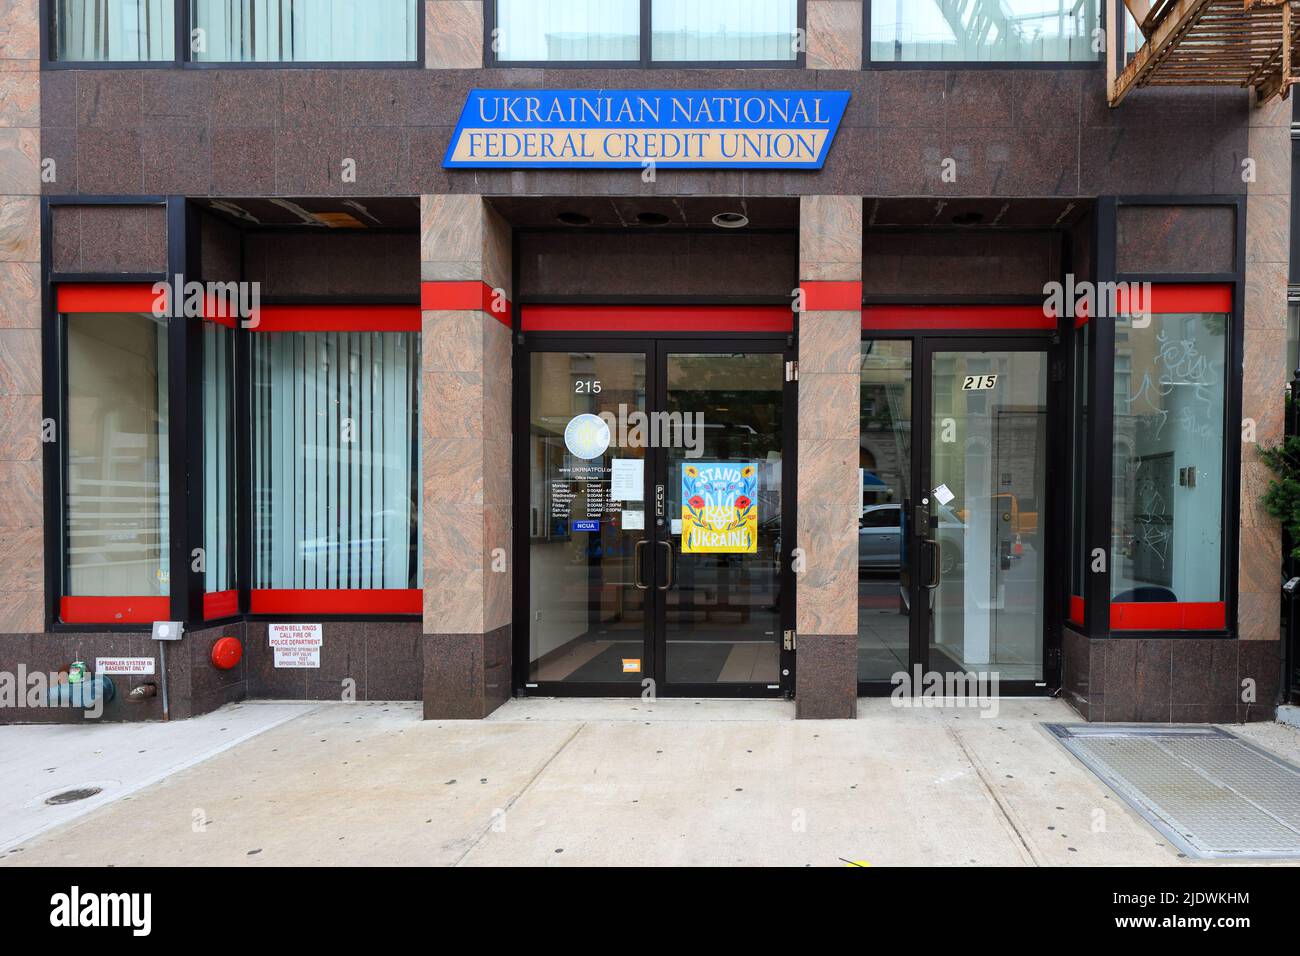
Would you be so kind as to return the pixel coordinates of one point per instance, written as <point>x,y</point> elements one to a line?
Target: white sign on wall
<point>124,665</point>
<point>296,645</point>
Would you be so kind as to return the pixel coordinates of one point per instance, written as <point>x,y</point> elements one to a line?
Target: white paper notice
<point>943,494</point>
<point>633,520</point>
<point>627,483</point>
<point>296,645</point>
<point>124,665</point>
<point>677,526</point>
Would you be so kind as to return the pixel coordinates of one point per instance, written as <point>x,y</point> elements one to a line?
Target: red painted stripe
<point>1076,610</point>
<point>831,296</point>
<point>881,317</point>
<point>114,610</point>
<point>337,602</point>
<point>657,318</point>
<point>218,604</point>
<point>464,297</point>
<point>106,297</point>
<point>338,318</point>
<point>1168,616</point>
<point>129,297</point>
<point>1176,298</point>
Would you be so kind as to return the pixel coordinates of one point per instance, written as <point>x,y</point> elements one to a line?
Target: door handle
<point>668,576</point>
<point>936,566</point>
<point>636,565</point>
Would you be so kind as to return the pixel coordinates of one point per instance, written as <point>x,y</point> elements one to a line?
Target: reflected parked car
<point>880,538</point>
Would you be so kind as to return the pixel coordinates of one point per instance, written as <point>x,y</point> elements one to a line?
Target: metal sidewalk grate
<point>1214,795</point>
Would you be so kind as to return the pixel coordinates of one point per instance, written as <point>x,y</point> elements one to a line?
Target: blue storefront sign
<point>669,129</point>
<point>584,526</point>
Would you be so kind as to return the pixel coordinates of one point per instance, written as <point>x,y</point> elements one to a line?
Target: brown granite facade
<point>1013,134</point>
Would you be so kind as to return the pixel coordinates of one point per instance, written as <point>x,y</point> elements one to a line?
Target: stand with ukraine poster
<point>720,508</point>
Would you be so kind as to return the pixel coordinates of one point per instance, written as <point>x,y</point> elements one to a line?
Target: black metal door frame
<point>653,571</point>
<point>916,570</point>
<point>669,345</point>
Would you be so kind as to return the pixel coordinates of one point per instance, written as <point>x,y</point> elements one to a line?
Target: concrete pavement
<point>679,782</point>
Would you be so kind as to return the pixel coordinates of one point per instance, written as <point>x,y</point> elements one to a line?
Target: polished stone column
<point>22,572</point>
<point>453,34</point>
<point>830,329</point>
<point>1265,374</point>
<point>466,445</point>
<point>834,34</point>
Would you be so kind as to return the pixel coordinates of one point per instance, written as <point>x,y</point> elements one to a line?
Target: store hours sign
<point>615,129</point>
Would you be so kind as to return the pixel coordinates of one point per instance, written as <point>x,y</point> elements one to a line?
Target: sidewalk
<point>566,782</point>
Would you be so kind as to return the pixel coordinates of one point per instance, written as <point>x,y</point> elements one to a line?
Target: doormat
<point>690,663</point>
<point>1214,795</point>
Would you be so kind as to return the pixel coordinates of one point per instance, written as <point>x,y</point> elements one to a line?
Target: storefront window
<point>116,517</point>
<point>681,31</point>
<point>305,31</point>
<point>567,30</point>
<point>336,464</point>
<point>115,30</point>
<point>724,30</point>
<point>1010,31</point>
<point>219,514</point>
<point>1168,498</point>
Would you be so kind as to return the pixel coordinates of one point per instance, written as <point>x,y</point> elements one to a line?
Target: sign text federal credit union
<point>608,129</point>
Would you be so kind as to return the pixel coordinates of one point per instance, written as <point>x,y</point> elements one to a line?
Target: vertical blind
<point>722,30</point>
<point>681,30</point>
<point>568,30</point>
<point>308,31</point>
<point>219,514</point>
<point>107,30</point>
<point>336,463</point>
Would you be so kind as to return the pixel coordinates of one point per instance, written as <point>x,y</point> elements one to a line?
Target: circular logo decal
<point>586,436</point>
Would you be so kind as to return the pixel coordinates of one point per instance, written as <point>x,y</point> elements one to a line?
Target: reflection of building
<point>886,401</point>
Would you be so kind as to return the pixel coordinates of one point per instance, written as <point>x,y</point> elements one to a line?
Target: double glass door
<point>952,547</point>
<point>658,489</point>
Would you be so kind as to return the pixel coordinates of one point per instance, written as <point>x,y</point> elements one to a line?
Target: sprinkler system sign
<point>720,508</point>
<point>637,129</point>
<point>296,645</point>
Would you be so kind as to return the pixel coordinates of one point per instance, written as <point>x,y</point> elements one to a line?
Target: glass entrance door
<point>589,612</point>
<point>720,543</point>
<point>952,527</point>
<point>980,510</point>
<point>657,496</point>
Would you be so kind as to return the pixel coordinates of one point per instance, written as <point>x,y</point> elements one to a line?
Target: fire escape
<point>1242,43</point>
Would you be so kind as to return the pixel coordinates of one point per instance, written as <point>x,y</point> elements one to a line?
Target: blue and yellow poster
<point>720,508</point>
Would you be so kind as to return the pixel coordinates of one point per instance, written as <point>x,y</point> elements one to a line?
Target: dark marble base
<point>194,685</point>
<point>826,678</point>
<point>367,660</point>
<point>359,660</point>
<point>466,676</point>
<point>1170,680</point>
